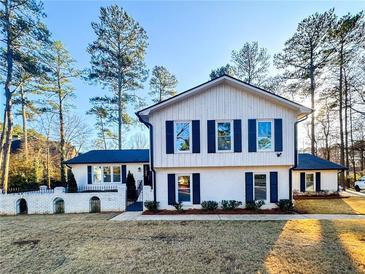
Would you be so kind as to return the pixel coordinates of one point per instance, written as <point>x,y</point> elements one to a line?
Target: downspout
<point>295,156</point>
<point>150,127</point>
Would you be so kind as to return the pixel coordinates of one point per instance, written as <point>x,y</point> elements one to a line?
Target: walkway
<point>137,216</point>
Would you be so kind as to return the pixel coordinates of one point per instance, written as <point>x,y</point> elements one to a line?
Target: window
<point>264,135</point>
<point>260,186</point>
<point>182,136</point>
<point>224,136</point>
<point>107,174</point>
<point>184,188</point>
<point>97,175</point>
<point>116,173</point>
<point>309,182</point>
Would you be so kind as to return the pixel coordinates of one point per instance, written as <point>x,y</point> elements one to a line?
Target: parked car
<point>360,184</point>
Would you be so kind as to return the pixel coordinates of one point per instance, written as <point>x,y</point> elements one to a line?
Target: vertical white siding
<point>328,179</point>
<point>223,102</point>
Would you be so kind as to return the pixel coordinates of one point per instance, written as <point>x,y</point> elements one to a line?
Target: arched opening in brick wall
<point>21,206</point>
<point>95,206</point>
<point>58,206</point>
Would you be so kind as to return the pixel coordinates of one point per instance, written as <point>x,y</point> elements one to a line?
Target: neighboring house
<point>222,140</point>
<point>315,174</point>
<point>110,167</point>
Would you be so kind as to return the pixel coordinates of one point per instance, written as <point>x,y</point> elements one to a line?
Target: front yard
<point>350,205</point>
<point>91,243</point>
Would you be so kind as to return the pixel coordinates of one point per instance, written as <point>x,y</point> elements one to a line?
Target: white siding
<point>223,102</point>
<point>80,171</point>
<point>328,179</point>
<point>219,184</point>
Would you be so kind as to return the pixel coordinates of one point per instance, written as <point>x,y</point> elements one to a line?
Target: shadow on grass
<point>329,206</point>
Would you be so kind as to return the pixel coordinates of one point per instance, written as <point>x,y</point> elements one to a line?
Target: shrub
<point>71,184</point>
<point>209,205</point>
<point>178,206</point>
<point>255,205</point>
<point>151,205</point>
<point>230,204</point>
<point>285,204</point>
<point>131,187</point>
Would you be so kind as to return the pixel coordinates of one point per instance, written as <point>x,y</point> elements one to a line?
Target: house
<point>223,140</point>
<point>103,168</point>
<point>315,174</point>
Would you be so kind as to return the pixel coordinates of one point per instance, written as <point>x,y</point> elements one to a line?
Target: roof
<point>308,161</point>
<point>111,156</point>
<point>302,110</point>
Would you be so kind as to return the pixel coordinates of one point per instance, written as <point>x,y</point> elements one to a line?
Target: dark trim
<point>216,79</point>
<point>344,168</point>
<point>111,162</point>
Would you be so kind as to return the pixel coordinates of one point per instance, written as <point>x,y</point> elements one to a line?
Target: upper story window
<point>182,136</point>
<point>264,135</point>
<point>224,136</point>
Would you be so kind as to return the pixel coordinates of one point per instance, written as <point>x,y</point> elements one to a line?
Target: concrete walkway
<point>355,193</point>
<point>137,216</point>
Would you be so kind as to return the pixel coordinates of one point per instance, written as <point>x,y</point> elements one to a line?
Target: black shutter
<point>302,182</point>
<point>278,131</point>
<point>273,187</point>
<point>252,135</point>
<point>124,174</point>
<point>171,189</point>
<point>318,181</point>
<point>249,186</point>
<point>196,188</point>
<point>237,128</point>
<point>211,136</point>
<point>196,136</point>
<point>169,137</point>
<point>89,175</point>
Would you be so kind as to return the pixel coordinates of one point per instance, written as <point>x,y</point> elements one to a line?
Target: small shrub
<point>151,205</point>
<point>230,204</point>
<point>255,205</point>
<point>209,205</point>
<point>131,187</point>
<point>71,184</point>
<point>178,206</point>
<point>285,204</point>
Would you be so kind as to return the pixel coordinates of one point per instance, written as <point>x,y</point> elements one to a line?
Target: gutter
<point>150,127</point>
<point>295,156</point>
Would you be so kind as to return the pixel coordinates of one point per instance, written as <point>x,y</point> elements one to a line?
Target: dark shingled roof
<point>308,161</point>
<point>111,156</point>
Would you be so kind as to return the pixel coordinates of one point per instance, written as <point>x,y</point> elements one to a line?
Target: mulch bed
<point>218,211</point>
<point>319,196</point>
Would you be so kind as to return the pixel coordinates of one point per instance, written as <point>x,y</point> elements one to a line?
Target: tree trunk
<point>3,133</point>
<point>342,152</point>
<point>352,142</point>
<point>312,88</point>
<point>347,156</point>
<point>24,119</point>
<point>103,132</point>
<point>62,132</point>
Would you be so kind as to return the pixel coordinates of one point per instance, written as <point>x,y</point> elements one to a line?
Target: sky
<point>189,38</point>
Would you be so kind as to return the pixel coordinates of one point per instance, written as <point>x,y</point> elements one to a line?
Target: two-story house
<point>223,140</point>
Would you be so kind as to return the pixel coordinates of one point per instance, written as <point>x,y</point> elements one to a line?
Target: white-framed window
<point>184,188</point>
<point>309,182</point>
<point>106,174</point>
<point>260,186</point>
<point>224,135</point>
<point>182,136</point>
<point>265,135</point>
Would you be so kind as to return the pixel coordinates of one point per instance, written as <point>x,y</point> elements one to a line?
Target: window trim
<point>216,135</point>
<point>190,175</point>
<point>314,181</point>
<point>267,185</point>
<point>102,174</point>
<point>190,136</point>
<point>272,135</point>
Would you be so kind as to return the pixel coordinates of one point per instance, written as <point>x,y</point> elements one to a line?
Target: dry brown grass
<point>350,205</point>
<point>90,243</point>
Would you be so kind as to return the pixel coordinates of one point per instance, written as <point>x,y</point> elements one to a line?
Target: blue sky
<point>189,38</point>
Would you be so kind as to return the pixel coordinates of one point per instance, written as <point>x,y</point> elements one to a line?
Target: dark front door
<point>146,175</point>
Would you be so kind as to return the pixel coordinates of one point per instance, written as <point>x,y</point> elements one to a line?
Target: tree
<point>138,141</point>
<point>131,187</point>
<point>347,37</point>
<point>162,84</point>
<point>305,55</point>
<point>62,69</point>
<point>117,57</point>
<point>21,28</point>
<point>223,70</point>
<point>251,63</point>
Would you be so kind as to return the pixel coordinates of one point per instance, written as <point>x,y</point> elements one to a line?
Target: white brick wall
<point>43,202</point>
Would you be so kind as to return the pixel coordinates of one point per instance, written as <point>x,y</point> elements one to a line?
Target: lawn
<point>350,205</point>
<point>90,243</point>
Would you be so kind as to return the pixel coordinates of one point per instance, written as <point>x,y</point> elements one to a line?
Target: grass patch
<point>91,243</point>
<point>348,205</point>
